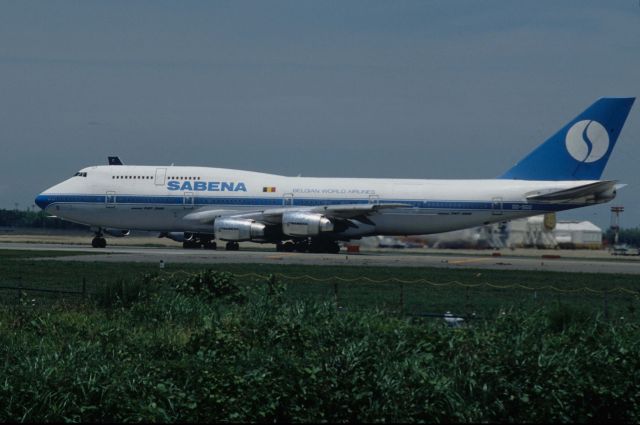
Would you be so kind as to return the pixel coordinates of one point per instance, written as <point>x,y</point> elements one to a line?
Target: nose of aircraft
<point>42,201</point>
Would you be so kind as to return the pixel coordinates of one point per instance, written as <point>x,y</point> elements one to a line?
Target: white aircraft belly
<point>436,221</point>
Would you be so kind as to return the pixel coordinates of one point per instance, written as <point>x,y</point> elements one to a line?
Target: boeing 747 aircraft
<point>198,205</point>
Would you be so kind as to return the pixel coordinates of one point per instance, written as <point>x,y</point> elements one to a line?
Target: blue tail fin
<point>581,149</point>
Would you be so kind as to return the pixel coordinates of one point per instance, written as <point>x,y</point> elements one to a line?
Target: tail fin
<point>581,149</point>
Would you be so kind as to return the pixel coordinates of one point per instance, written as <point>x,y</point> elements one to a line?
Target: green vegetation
<point>39,219</point>
<point>191,345</point>
<point>171,354</point>
<point>625,236</point>
<point>12,254</point>
<point>352,284</point>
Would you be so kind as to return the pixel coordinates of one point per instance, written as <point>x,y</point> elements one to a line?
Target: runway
<point>416,258</point>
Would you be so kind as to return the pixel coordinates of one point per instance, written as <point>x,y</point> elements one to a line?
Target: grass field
<point>183,345</point>
<point>410,290</point>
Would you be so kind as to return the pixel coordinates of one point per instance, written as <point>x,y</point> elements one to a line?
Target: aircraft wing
<point>274,215</point>
<point>597,189</point>
<point>335,211</point>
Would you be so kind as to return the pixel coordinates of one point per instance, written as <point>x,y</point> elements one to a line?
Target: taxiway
<point>535,260</point>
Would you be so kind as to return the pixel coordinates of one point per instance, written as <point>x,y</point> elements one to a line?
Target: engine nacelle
<point>296,223</point>
<point>238,229</point>
<point>118,233</point>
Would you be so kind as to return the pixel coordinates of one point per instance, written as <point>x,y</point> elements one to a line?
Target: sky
<point>386,89</point>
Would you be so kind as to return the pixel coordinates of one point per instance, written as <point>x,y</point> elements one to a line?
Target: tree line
<point>39,219</point>
<point>625,236</point>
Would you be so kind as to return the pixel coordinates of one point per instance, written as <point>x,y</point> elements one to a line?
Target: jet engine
<point>297,223</point>
<point>118,233</point>
<point>238,229</point>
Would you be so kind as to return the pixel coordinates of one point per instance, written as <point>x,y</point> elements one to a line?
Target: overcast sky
<point>415,89</point>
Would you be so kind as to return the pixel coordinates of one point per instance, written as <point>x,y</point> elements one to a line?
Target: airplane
<point>197,205</point>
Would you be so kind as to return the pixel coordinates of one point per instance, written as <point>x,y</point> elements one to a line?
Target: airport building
<point>535,232</point>
<point>542,231</point>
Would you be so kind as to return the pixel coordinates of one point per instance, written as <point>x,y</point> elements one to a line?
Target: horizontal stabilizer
<point>599,190</point>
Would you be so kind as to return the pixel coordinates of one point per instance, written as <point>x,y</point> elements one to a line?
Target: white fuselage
<point>159,198</point>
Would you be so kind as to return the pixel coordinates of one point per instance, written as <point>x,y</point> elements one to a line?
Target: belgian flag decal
<point>269,189</point>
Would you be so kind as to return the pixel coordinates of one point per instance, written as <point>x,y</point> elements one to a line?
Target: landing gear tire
<point>99,242</point>
<point>191,245</point>
<point>323,246</point>
<point>333,248</point>
<point>232,246</point>
<point>302,246</point>
<point>288,246</point>
<point>210,245</point>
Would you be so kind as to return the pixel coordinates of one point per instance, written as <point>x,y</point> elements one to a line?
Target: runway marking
<point>278,256</point>
<point>470,260</point>
<point>594,264</point>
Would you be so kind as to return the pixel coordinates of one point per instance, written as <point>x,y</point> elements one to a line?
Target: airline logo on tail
<point>579,150</point>
<point>587,141</point>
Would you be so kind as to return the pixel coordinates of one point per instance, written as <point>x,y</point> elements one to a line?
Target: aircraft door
<point>188,200</point>
<point>161,174</point>
<point>374,199</point>
<point>496,206</point>
<point>110,199</point>
<point>287,200</point>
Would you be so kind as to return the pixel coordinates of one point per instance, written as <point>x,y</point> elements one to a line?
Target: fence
<point>414,297</point>
<point>22,289</point>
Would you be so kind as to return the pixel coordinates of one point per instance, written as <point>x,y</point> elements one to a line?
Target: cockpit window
<point>79,174</point>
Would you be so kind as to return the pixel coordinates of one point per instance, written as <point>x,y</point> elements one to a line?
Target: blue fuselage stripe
<point>45,200</point>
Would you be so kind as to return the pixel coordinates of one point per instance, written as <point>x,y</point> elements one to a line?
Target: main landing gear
<point>232,246</point>
<point>198,242</point>
<point>314,245</point>
<point>99,241</point>
<point>210,244</point>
